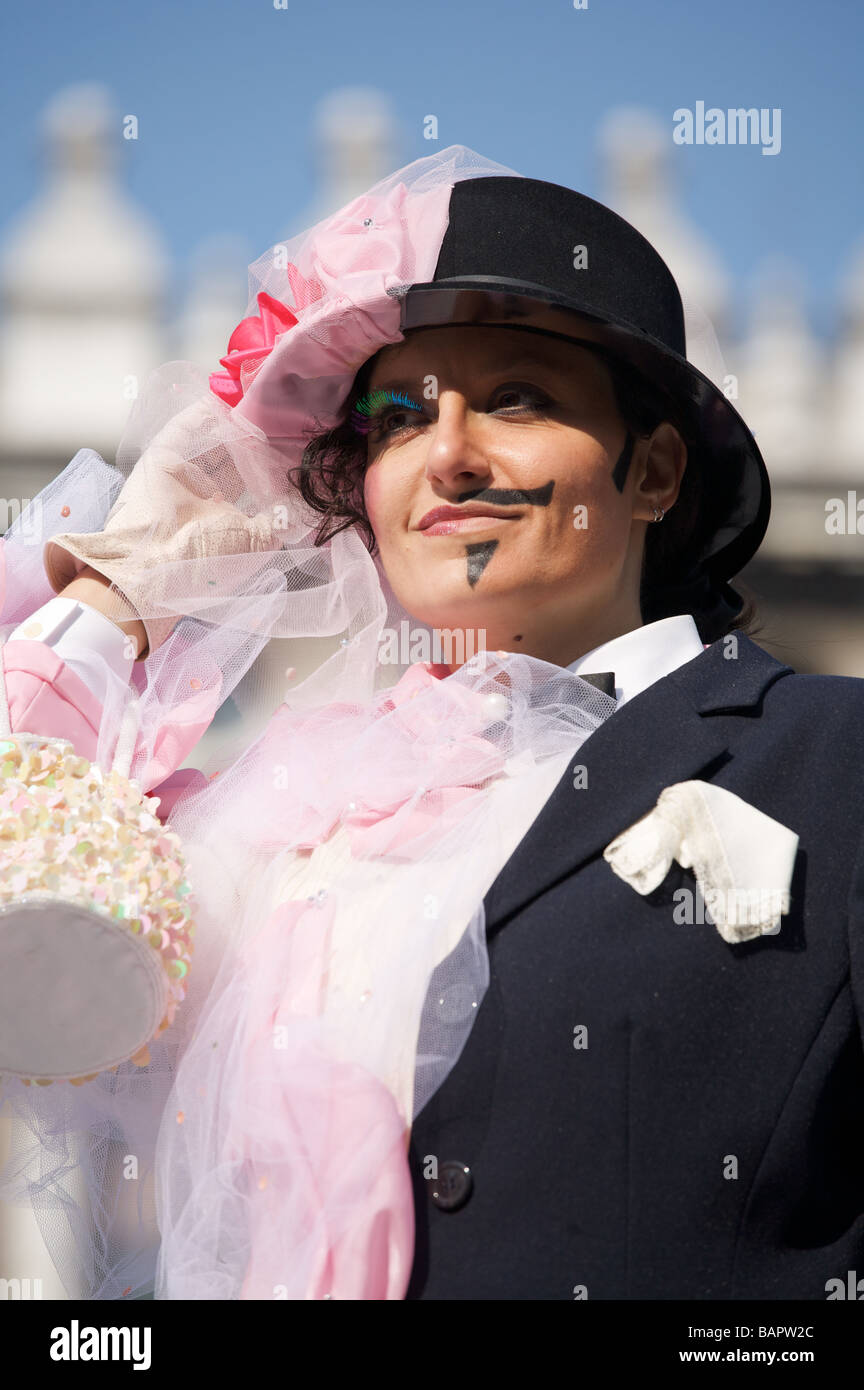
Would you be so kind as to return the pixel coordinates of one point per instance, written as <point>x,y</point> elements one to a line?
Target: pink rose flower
<point>255,337</point>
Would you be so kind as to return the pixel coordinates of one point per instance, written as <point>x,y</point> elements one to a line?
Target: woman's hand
<point>174,532</point>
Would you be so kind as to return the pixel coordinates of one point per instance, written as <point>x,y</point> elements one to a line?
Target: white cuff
<point>84,638</point>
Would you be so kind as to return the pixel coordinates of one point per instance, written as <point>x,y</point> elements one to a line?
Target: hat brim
<point>730,454</point>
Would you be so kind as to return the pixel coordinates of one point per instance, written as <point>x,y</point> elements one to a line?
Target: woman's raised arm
<point>94,589</point>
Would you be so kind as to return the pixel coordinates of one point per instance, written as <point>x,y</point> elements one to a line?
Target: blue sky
<point>224,91</point>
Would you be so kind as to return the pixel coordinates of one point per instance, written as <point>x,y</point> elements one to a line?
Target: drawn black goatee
<point>479,553</point>
<point>479,556</point>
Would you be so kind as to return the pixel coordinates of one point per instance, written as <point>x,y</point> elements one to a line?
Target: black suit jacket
<point>708,1142</point>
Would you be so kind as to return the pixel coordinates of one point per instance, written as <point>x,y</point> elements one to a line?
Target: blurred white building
<point>82,277</point>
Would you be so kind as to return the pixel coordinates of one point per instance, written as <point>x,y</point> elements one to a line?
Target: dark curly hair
<point>333,464</point>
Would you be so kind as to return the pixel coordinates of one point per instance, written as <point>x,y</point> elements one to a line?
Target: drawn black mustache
<point>507,496</point>
<point>479,553</point>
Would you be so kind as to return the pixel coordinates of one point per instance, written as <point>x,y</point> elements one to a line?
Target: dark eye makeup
<point>381,418</point>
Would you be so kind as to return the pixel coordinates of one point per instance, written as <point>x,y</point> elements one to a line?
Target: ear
<point>658,468</point>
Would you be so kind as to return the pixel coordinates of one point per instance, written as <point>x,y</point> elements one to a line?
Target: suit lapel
<point>662,736</point>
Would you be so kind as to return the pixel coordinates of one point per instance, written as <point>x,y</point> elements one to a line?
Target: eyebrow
<point>515,363</point>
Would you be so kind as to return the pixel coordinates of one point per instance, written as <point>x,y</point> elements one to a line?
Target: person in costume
<point>536,974</point>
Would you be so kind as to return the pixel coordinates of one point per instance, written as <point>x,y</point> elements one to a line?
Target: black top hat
<point>507,258</point>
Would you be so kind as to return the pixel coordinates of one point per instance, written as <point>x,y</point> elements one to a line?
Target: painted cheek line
<point>622,467</point>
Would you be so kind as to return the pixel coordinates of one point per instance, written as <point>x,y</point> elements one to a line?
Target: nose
<point>456,456</point>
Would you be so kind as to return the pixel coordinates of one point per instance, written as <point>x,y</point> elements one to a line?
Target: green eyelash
<point>374,404</point>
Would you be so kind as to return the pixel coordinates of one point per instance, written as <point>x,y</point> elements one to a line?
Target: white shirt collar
<point>645,655</point>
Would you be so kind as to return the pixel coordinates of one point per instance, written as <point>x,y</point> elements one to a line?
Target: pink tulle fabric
<point>339,857</point>
<point>347,1137</point>
<point>351,877</point>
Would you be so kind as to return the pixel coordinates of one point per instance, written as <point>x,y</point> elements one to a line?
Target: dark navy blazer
<point>708,1142</point>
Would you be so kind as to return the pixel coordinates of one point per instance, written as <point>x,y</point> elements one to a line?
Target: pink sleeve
<point>46,697</point>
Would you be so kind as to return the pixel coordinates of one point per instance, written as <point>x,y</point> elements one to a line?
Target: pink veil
<point>339,864</point>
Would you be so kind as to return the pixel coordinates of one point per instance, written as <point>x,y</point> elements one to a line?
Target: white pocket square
<point>742,859</point>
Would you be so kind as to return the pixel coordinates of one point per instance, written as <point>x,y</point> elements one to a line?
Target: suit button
<point>453,1186</point>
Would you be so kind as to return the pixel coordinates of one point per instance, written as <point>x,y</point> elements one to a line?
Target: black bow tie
<point>604,680</point>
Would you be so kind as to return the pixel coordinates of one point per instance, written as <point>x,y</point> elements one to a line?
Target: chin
<point>450,607</point>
